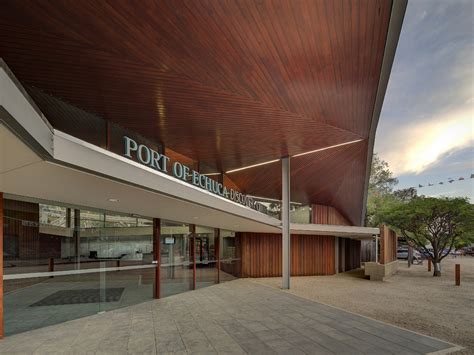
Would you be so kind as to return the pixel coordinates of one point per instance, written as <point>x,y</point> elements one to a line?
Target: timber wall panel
<point>328,215</point>
<point>388,245</point>
<point>261,255</point>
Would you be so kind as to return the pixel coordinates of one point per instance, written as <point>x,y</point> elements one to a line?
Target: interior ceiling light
<point>211,174</point>
<point>113,200</point>
<point>293,156</point>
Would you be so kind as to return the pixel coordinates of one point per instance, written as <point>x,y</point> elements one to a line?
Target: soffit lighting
<point>211,174</point>
<point>267,199</point>
<point>293,156</point>
<point>113,200</point>
<point>330,147</point>
<point>252,166</point>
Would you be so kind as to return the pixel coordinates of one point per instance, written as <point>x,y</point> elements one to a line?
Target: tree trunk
<point>436,268</point>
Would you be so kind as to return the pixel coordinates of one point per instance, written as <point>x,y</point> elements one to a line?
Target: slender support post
<point>157,256</point>
<point>192,228</point>
<point>458,274</point>
<point>1,265</point>
<point>285,219</point>
<point>217,251</point>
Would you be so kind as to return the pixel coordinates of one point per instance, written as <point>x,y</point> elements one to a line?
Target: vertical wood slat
<point>1,266</point>
<point>157,256</point>
<point>310,255</point>
<point>322,214</point>
<point>388,245</point>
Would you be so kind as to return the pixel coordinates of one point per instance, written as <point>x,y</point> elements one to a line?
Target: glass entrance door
<point>206,260</point>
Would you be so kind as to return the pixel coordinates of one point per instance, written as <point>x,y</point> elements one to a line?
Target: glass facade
<point>205,246</point>
<point>176,274</point>
<point>63,262</point>
<point>229,256</point>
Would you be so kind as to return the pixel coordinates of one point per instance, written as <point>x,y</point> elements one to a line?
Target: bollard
<point>51,266</point>
<point>429,264</point>
<point>458,274</point>
<point>118,264</point>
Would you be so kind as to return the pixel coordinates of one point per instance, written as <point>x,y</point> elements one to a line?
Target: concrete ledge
<point>379,272</point>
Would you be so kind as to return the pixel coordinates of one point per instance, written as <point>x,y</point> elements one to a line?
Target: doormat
<point>90,295</point>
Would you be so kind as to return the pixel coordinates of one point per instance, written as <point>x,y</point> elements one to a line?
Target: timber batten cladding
<point>310,255</point>
<point>261,253</point>
<point>227,84</point>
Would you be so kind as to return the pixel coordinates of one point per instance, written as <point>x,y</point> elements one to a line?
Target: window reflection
<point>206,260</point>
<point>41,238</point>
<point>229,255</point>
<point>176,272</point>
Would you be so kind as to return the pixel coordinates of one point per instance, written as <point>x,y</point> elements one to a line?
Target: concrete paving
<point>235,317</point>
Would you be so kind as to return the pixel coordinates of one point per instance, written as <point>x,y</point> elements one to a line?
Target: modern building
<point>152,148</point>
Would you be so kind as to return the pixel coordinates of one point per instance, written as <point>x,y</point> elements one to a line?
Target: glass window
<point>206,260</point>
<point>42,239</point>
<point>176,272</point>
<point>230,260</point>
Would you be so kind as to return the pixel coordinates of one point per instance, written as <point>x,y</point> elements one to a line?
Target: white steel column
<point>285,219</point>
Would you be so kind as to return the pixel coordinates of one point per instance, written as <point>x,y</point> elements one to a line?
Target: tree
<point>381,184</point>
<point>441,222</point>
<point>406,195</point>
<point>381,178</point>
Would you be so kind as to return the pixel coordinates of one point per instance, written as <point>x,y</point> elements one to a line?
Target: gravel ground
<point>412,299</point>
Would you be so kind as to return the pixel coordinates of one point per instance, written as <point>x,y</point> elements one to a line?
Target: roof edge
<point>393,35</point>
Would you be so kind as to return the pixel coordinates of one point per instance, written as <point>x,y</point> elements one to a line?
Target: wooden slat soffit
<point>226,83</point>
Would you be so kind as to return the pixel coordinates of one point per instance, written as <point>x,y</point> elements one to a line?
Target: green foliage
<point>406,194</point>
<point>442,222</point>
<point>381,184</point>
<point>381,178</point>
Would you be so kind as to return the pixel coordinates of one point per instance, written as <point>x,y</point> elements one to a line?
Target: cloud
<point>428,113</point>
<point>415,147</point>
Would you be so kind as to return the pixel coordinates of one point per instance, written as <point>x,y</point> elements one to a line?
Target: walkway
<point>234,317</point>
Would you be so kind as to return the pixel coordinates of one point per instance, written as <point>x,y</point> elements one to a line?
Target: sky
<point>426,128</point>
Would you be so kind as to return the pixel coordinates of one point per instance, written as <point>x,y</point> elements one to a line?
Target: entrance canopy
<point>229,84</point>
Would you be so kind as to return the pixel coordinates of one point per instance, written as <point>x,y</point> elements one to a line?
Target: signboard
<point>161,162</point>
<point>170,240</point>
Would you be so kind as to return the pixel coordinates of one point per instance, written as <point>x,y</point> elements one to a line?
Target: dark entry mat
<point>91,295</point>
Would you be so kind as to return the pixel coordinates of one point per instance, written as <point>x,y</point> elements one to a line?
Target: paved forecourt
<point>234,317</point>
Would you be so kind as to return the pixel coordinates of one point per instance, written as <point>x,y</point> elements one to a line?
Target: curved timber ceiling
<point>227,83</point>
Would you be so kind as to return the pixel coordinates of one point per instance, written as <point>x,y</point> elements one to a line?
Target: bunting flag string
<point>449,181</point>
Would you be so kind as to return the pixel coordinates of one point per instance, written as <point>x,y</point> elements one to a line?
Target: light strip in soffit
<point>330,147</point>
<point>294,156</point>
